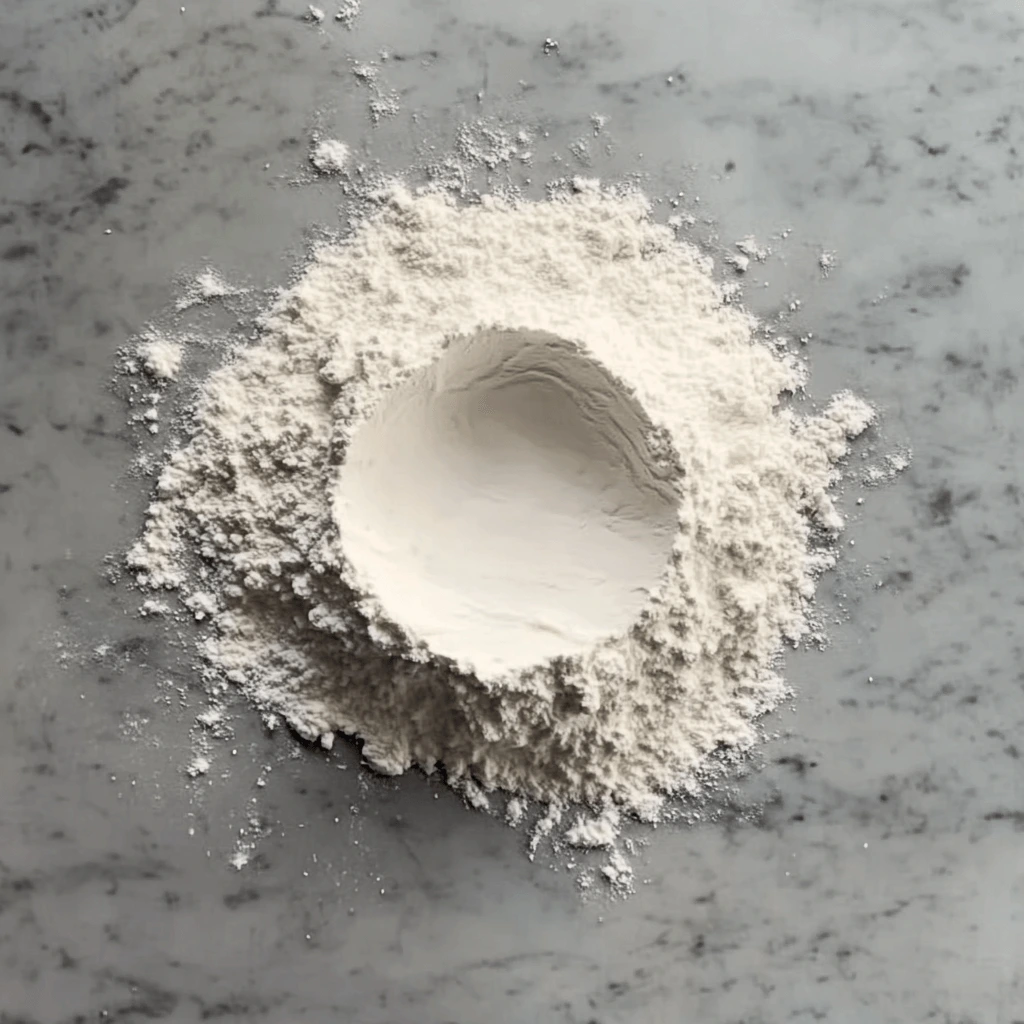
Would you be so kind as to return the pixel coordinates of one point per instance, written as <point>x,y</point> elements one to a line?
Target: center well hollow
<point>503,504</point>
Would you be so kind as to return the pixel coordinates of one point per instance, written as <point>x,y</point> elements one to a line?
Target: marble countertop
<point>869,872</point>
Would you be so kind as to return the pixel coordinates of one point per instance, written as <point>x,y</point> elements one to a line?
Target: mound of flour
<point>508,490</point>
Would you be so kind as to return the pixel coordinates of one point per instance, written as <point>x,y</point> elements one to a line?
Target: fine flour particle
<point>508,490</point>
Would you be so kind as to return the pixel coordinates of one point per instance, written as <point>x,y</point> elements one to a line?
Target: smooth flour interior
<point>503,505</point>
<point>319,613</point>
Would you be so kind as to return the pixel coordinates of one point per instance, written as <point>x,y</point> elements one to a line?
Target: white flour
<point>591,494</point>
<point>329,156</point>
<point>384,102</point>
<point>206,285</point>
<point>348,11</point>
<point>160,356</point>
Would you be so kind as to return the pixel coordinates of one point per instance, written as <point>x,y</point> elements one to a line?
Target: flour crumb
<point>161,357</point>
<point>249,836</point>
<point>384,105</point>
<point>204,287</point>
<point>348,11</point>
<point>315,14</point>
<point>515,811</point>
<point>749,247</point>
<point>738,262</point>
<point>618,872</point>
<point>211,718</point>
<point>851,413</point>
<point>678,221</point>
<point>199,765</point>
<point>594,833</point>
<point>899,461</point>
<point>732,293</point>
<point>151,606</point>
<point>366,73</point>
<point>487,143</point>
<point>475,796</point>
<point>826,262</point>
<point>383,102</point>
<point>893,463</point>
<point>202,604</point>
<point>581,151</point>
<point>329,156</point>
<point>544,827</point>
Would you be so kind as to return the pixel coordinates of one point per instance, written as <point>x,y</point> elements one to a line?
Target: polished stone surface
<point>871,872</point>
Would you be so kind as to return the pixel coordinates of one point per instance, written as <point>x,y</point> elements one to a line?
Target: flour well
<point>507,490</point>
<point>504,506</point>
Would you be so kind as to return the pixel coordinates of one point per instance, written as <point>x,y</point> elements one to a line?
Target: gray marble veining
<point>877,873</point>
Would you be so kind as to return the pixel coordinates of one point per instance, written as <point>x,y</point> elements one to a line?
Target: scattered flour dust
<point>384,102</point>
<point>206,285</point>
<point>507,489</point>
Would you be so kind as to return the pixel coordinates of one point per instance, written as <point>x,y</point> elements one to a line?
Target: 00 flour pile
<point>506,489</point>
